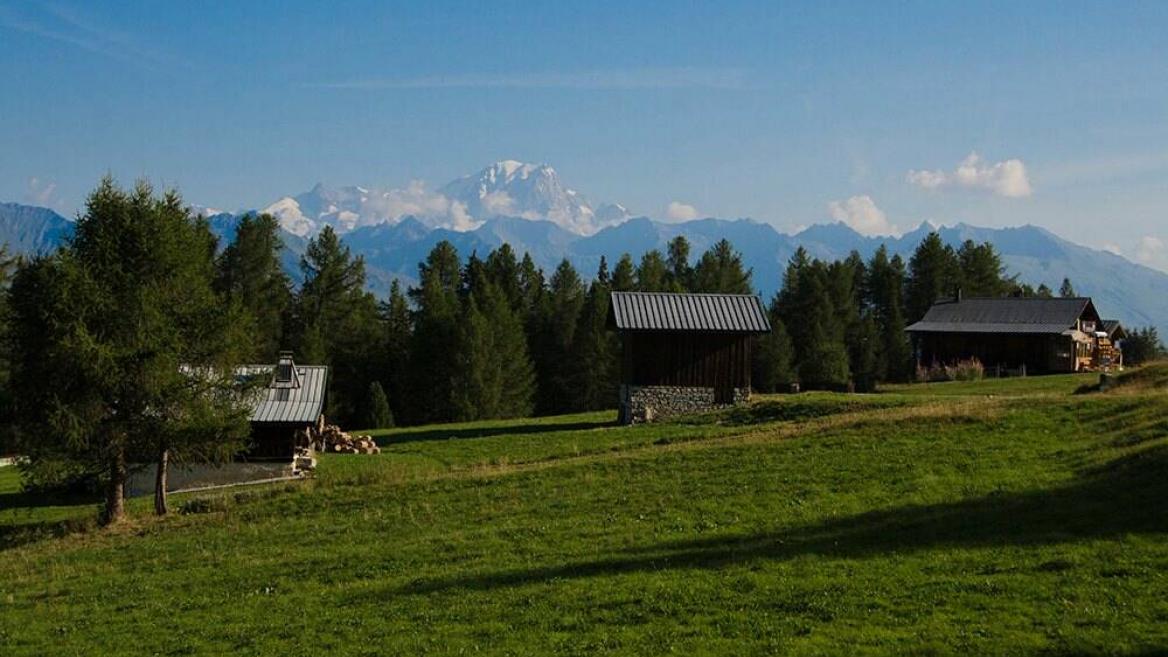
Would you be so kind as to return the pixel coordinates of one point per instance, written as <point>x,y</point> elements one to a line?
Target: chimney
<point>285,368</point>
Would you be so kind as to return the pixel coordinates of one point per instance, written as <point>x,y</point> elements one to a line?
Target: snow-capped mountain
<point>504,189</point>
<point>529,191</point>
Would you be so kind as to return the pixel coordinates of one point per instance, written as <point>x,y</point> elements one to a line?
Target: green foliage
<point>1143,345</point>
<point>653,273</point>
<point>624,276</point>
<point>376,411</point>
<point>122,348</point>
<point>720,270</point>
<point>249,274</point>
<point>1066,290</point>
<point>772,369</point>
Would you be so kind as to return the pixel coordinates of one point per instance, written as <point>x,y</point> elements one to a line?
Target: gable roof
<point>280,403</point>
<point>1025,315</point>
<point>1114,329</point>
<point>666,311</point>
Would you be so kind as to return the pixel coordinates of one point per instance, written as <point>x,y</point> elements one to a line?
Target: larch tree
<point>124,349</point>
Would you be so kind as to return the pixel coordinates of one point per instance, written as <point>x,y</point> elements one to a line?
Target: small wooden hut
<point>684,353</point>
<point>292,400</point>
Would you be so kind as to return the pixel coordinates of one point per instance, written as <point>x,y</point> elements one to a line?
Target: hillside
<point>997,517</point>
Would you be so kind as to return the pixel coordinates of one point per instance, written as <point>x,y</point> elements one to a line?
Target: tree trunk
<point>160,481</point>
<point>115,497</point>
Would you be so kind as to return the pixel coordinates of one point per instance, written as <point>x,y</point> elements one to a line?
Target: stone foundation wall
<point>649,403</point>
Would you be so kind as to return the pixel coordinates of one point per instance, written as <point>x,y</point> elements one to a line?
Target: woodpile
<point>335,440</point>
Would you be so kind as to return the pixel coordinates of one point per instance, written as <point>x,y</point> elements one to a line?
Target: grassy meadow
<point>1021,516</point>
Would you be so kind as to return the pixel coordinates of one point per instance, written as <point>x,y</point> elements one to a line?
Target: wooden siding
<point>712,360</point>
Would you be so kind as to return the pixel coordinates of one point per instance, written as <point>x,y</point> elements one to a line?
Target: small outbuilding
<point>292,401</point>
<point>684,353</point>
<point>1015,334</point>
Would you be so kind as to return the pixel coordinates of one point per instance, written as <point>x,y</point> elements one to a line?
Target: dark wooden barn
<point>684,353</point>
<point>1014,334</point>
<point>292,400</point>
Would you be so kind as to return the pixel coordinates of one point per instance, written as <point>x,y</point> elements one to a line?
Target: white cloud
<point>621,79</point>
<point>1153,252</point>
<point>40,192</point>
<point>1007,178</point>
<point>417,201</point>
<point>678,211</point>
<point>1113,249</point>
<point>861,213</point>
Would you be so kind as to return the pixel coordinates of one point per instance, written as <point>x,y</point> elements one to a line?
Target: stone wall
<point>649,403</point>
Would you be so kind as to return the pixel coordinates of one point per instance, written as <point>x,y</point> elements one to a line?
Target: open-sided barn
<point>1033,335</point>
<point>684,353</point>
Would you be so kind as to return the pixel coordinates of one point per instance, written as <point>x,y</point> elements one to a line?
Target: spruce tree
<point>249,273</point>
<point>652,273</point>
<point>376,412</point>
<point>337,322</point>
<point>981,271</point>
<point>934,273</point>
<point>394,370</point>
<point>677,261</point>
<point>624,276</point>
<point>772,369</point>
<point>434,360</point>
<point>1066,290</point>
<point>558,318</point>
<point>595,352</point>
<point>720,269</point>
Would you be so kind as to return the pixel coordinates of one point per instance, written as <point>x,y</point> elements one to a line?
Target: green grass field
<point>999,517</point>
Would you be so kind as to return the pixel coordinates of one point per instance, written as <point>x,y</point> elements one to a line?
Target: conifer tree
<point>434,361</point>
<point>772,357</point>
<point>885,289</point>
<point>934,273</point>
<point>624,276</point>
<point>680,272</point>
<point>594,350</point>
<point>720,269</point>
<point>1066,290</point>
<point>398,322</point>
<point>652,273</point>
<point>376,411</point>
<point>337,322</point>
<point>552,346</point>
<point>249,273</point>
<point>495,377</point>
<point>980,271</point>
<point>122,347</point>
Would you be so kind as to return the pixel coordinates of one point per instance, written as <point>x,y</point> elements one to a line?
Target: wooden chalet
<point>292,400</point>
<point>684,353</point>
<point>1024,335</point>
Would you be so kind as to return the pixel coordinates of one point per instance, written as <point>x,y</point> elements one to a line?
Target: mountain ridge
<point>1123,289</point>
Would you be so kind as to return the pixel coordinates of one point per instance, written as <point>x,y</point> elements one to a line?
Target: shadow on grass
<point>447,433</point>
<point>12,536</point>
<point>1126,496</point>
<point>797,409</point>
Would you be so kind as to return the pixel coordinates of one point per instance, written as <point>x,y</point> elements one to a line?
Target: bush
<point>963,370</point>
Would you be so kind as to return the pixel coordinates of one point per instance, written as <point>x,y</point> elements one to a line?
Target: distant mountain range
<point>527,206</point>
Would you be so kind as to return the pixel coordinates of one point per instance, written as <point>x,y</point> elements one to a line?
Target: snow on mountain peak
<point>507,188</point>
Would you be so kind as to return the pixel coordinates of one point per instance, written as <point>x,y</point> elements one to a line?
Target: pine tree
<point>249,273</point>
<point>1066,290</point>
<point>1044,292</point>
<point>377,414</point>
<point>934,273</point>
<point>398,322</point>
<point>434,360</point>
<point>652,273</point>
<point>624,277</point>
<point>680,273</point>
<point>720,269</point>
<point>981,272</point>
<point>555,334</point>
<point>337,322</point>
<point>772,369</point>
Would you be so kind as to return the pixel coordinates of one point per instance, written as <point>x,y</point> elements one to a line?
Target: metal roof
<point>664,311</point>
<point>282,404</point>
<point>1022,315</point>
<point>1111,326</point>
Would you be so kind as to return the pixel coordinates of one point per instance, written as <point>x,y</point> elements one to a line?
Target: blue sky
<point>788,113</point>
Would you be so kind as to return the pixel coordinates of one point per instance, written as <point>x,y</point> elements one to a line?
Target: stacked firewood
<point>338,441</point>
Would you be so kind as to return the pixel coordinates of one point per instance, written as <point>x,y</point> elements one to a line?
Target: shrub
<point>963,370</point>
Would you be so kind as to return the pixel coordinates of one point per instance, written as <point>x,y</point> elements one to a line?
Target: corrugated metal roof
<point>1026,315</point>
<point>302,404</point>
<point>664,311</point>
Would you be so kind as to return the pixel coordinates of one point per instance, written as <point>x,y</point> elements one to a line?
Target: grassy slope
<point>1001,517</point>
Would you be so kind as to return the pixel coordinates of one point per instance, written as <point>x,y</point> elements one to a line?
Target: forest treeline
<point>122,345</point>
